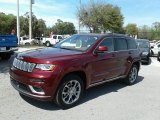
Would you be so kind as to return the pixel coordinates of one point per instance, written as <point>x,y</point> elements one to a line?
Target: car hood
<point>50,54</point>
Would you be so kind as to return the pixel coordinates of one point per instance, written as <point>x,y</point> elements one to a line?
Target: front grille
<point>22,65</point>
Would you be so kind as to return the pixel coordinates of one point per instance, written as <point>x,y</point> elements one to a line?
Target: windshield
<point>143,44</point>
<point>77,42</point>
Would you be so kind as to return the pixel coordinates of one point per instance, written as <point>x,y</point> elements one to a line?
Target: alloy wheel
<point>71,92</point>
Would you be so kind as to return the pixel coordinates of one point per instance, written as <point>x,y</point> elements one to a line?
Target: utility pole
<point>30,21</point>
<point>18,22</point>
<point>79,17</point>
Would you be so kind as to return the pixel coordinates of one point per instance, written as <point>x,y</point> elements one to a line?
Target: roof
<point>142,40</point>
<point>103,35</point>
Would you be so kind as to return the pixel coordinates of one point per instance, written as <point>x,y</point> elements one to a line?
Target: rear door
<point>121,53</point>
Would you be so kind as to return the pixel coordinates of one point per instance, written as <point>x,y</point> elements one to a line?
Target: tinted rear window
<point>120,44</point>
<point>131,44</point>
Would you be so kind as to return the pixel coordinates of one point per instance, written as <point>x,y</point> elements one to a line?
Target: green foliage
<point>131,30</point>
<point>63,28</point>
<point>151,33</point>
<point>38,25</point>
<point>101,17</point>
<point>9,22</point>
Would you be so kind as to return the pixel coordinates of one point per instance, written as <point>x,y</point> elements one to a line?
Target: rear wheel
<point>70,91</point>
<point>132,75</point>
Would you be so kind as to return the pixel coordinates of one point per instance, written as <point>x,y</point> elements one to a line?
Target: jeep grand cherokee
<point>62,73</point>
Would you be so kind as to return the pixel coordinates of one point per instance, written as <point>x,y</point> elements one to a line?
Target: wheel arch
<point>79,73</point>
<point>137,63</point>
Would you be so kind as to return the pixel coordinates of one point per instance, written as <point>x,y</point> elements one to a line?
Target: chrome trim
<point>22,65</point>
<point>107,80</point>
<point>11,50</point>
<point>27,93</point>
<point>32,89</point>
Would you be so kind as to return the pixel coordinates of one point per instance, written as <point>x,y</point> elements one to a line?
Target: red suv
<point>62,73</point>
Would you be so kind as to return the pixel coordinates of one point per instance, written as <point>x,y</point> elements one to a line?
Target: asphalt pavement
<point>110,101</point>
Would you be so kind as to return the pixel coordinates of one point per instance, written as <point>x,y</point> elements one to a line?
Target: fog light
<point>36,90</point>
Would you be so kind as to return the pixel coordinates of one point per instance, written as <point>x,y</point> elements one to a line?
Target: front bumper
<point>38,85</point>
<point>23,89</point>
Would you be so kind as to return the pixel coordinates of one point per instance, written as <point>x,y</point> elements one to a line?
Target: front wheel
<point>48,44</point>
<point>158,57</point>
<point>69,92</point>
<point>27,44</point>
<point>132,75</point>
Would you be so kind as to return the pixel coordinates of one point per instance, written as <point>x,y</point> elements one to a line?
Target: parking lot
<point>111,101</point>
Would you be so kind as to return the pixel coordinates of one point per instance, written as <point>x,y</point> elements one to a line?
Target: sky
<point>141,12</point>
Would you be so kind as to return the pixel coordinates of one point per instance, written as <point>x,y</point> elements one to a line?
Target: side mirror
<point>102,49</point>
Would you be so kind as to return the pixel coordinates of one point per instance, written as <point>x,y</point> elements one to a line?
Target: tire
<point>158,57</point>
<point>152,53</point>
<point>132,75</point>
<point>47,44</point>
<point>6,56</point>
<point>69,92</point>
<point>148,61</point>
<point>27,44</point>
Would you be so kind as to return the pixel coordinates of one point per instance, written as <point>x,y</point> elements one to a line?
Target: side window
<point>59,37</point>
<point>108,42</point>
<point>131,44</point>
<point>120,44</point>
<point>54,37</point>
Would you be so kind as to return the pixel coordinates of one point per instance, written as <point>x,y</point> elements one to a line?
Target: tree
<point>156,30</point>
<point>131,30</point>
<point>100,17</point>
<point>7,23</point>
<point>63,28</point>
<point>38,25</point>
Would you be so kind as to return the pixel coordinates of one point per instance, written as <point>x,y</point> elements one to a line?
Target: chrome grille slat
<point>22,65</point>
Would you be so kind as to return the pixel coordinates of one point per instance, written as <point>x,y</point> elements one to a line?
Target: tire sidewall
<point>128,76</point>
<point>59,100</point>
<point>47,44</point>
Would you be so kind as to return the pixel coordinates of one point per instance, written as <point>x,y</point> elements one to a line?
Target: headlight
<point>47,67</point>
<point>144,53</point>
